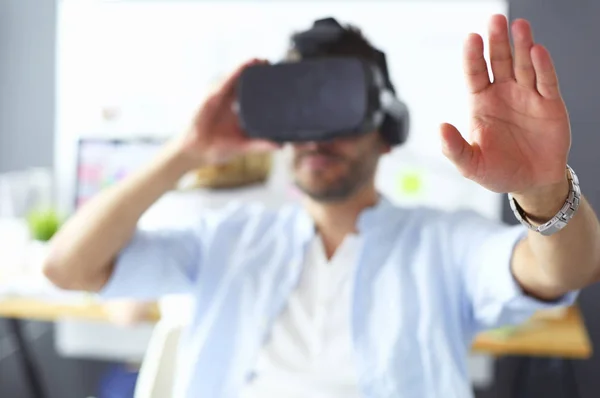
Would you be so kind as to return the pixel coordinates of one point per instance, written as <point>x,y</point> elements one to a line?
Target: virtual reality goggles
<point>320,98</point>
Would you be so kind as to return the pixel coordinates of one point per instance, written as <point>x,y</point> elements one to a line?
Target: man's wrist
<point>174,162</point>
<point>541,204</point>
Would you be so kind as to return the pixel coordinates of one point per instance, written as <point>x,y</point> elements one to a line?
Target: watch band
<point>561,219</point>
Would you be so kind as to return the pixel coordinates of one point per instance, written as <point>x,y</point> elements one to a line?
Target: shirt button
<point>251,377</point>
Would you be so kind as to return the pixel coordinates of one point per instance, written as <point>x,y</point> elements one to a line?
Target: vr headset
<point>320,98</point>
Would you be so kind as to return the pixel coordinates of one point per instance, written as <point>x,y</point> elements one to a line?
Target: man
<point>348,295</point>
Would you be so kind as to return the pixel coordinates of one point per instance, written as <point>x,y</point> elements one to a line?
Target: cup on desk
<point>14,238</point>
<point>23,191</point>
<point>20,193</point>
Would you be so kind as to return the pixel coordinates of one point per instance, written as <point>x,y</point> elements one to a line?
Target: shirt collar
<point>370,218</point>
<point>374,216</point>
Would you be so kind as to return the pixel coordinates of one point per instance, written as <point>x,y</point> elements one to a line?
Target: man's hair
<point>350,42</point>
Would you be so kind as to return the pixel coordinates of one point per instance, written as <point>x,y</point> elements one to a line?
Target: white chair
<point>157,373</point>
<point>157,376</point>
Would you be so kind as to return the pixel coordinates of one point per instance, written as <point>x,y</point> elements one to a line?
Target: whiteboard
<point>154,61</point>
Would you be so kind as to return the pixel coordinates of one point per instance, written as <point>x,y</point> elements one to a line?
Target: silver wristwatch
<point>560,220</point>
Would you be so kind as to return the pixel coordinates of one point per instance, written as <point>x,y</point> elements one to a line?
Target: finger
<point>523,40</point>
<point>474,64</point>
<point>500,51</point>
<point>227,89</point>
<point>457,150</point>
<point>546,79</point>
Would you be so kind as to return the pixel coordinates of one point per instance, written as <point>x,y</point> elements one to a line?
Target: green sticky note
<point>410,183</point>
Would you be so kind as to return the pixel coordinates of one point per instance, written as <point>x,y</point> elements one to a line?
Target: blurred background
<point>89,90</point>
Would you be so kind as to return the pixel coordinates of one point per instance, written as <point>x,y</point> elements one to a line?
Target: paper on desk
<point>36,287</point>
<point>14,237</point>
<point>503,333</point>
<point>552,313</point>
<point>506,332</point>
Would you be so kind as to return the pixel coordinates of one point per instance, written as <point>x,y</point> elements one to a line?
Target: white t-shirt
<point>310,351</point>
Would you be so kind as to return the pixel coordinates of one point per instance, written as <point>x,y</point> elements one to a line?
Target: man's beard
<point>344,187</point>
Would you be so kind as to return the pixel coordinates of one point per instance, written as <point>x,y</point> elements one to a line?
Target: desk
<point>564,337</point>
<point>25,308</point>
<point>35,309</point>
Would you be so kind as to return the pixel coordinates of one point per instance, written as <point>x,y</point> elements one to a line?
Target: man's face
<point>334,170</point>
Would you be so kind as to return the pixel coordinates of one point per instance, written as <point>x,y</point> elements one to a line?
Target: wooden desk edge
<point>41,311</point>
<point>580,352</point>
<point>95,311</point>
<point>580,346</point>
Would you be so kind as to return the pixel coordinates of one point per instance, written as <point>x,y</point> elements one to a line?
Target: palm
<point>520,133</point>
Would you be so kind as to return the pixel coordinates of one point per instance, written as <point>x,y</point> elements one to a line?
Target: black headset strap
<point>328,22</point>
<point>323,31</point>
<point>383,67</point>
<point>329,29</point>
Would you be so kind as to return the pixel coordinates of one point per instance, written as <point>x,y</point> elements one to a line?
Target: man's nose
<point>326,144</point>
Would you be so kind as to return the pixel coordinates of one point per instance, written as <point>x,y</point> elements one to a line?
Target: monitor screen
<point>104,162</point>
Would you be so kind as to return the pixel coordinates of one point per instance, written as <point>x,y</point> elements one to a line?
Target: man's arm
<point>83,252</point>
<point>520,141</point>
<point>547,267</point>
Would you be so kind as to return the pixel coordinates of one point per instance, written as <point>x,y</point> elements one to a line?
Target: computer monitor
<point>102,162</point>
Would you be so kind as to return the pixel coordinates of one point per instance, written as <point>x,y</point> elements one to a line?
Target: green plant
<point>43,224</point>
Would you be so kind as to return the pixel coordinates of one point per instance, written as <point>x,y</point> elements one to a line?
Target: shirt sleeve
<point>155,263</point>
<point>483,251</point>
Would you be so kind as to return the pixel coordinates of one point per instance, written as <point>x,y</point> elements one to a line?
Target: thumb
<point>457,149</point>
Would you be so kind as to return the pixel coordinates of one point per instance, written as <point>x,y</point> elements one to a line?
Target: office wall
<point>27,54</point>
<point>156,88</point>
<point>27,70</point>
<point>27,98</point>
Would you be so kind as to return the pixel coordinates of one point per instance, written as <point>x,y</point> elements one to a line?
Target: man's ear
<point>385,147</point>
<point>293,55</point>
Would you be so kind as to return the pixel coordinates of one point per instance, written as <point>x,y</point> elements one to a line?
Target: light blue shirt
<point>426,282</point>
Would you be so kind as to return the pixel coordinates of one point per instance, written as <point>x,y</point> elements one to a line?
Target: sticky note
<point>410,183</point>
